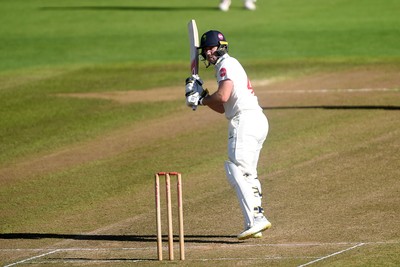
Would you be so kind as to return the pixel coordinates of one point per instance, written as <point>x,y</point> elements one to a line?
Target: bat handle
<point>194,108</point>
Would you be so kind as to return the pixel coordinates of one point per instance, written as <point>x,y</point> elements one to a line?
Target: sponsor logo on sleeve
<point>222,72</point>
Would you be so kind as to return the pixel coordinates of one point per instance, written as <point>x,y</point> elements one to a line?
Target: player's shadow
<point>360,107</point>
<point>131,8</point>
<point>219,239</point>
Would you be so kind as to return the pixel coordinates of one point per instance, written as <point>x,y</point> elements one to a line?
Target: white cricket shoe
<point>250,5</point>
<point>257,235</point>
<point>260,224</point>
<point>224,5</point>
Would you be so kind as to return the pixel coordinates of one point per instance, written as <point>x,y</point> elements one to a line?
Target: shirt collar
<point>222,58</point>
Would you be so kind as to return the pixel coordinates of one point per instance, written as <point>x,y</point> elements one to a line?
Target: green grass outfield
<point>41,33</point>
<point>74,168</point>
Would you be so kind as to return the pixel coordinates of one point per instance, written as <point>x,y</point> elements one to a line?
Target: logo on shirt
<point>222,72</point>
<point>250,87</point>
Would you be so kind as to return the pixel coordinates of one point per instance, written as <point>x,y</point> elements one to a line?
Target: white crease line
<point>197,246</point>
<point>293,244</point>
<point>32,258</point>
<point>333,254</point>
<point>349,90</point>
<point>75,249</point>
<point>192,260</point>
<point>54,250</point>
<point>86,261</point>
<point>106,249</point>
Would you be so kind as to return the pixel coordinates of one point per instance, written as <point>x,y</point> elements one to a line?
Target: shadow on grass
<point>108,261</point>
<point>367,107</point>
<point>131,8</point>
<point>219,239</point>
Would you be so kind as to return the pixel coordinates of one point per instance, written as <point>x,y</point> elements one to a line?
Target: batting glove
<point>193,99</point>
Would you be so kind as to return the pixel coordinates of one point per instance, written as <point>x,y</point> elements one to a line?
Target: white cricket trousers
<point>246,134</point>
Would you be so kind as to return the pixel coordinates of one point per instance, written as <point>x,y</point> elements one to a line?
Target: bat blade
<point>194,44</point>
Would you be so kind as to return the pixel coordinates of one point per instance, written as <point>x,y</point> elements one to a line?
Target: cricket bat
<point>194,44</point>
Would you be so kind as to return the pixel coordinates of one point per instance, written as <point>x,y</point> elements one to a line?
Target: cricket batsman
<point>247,131</point>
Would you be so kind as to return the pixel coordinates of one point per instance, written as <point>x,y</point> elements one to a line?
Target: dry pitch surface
<point>332,196</point>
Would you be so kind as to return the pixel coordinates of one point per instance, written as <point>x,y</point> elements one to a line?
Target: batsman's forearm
<point>214,105</point>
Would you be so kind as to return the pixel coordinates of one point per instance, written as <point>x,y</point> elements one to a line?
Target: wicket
<point>169,215</point>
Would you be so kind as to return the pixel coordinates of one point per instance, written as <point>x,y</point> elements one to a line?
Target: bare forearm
<point>221,96</point>
<point>214,102</point>
<point>217,108</point>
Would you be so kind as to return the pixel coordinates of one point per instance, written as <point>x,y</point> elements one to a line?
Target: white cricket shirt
<point>242,97</point>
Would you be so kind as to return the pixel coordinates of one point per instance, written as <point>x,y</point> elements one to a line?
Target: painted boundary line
<point>331,255</point>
